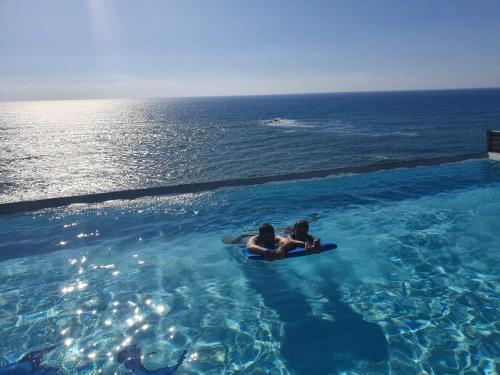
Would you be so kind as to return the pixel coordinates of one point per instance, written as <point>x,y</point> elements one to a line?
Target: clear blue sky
<point>125,48</point>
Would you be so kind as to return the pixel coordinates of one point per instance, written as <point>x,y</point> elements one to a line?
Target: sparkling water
<point>412,289</point>
<point>60,148</point>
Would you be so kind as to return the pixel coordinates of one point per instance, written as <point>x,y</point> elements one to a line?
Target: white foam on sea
<point>284,122</point>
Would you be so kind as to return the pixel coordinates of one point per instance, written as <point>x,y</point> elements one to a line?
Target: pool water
<point>412,289</point>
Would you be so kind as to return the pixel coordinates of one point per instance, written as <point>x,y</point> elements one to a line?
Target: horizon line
<point>254,95</point>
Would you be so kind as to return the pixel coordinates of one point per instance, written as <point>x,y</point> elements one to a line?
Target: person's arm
<point>255,248</point>
<point>297,243</point>
<point>314,240</point>
<point>316,244</point>
<point>285,245</point>
<point>311,243</point>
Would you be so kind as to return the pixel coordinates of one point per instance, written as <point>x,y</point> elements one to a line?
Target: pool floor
<point>412,289</point>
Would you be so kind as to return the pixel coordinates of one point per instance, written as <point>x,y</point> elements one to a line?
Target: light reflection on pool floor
<point>413,287</point>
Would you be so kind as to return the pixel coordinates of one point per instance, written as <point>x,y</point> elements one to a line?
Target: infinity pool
<point>413,287</point>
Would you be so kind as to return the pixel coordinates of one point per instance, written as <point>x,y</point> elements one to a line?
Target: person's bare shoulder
<point>253,240</point>
<point>282,239</point>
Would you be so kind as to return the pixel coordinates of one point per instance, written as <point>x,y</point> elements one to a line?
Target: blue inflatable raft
<point>297,252</point>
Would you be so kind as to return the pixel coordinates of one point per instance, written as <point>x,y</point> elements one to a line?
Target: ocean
<point>63,148</point>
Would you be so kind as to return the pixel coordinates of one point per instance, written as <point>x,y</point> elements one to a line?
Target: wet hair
<point>265,228</point>
<point>299,223</point>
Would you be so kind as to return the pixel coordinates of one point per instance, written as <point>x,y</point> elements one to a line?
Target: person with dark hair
<point>268,244</point>
<point>301,238</point>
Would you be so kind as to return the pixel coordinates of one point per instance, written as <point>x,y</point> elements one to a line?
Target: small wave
<point>406,134</point>
<point>284,122</point>
<point>6,160</point>
<point>393,134</point>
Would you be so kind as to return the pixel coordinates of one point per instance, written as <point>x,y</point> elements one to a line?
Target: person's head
<point>300,229</point>
<point>266,233</point>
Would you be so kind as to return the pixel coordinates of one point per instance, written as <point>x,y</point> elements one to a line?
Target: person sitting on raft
<point>268,244</point>
<point>301,238</point>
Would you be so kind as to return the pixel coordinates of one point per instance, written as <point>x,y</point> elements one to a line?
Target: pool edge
<point>39,204</point>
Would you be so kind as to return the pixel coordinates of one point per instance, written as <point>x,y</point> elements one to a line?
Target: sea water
<point>60,148</point>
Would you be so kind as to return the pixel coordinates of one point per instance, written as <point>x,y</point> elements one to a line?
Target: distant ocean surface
<point>60,148</point>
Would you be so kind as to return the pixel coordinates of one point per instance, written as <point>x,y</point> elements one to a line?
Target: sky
<point>59,49</point>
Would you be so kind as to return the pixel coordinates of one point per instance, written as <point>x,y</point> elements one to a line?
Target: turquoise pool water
<point>413,288</point>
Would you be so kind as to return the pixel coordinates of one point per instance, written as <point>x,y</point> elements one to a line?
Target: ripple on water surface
<point>71,147</point>
<point>413,287</point>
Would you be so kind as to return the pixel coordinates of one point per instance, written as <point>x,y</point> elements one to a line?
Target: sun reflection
<point>171,330</point>
<point>91,234</point>
<point>136,318</point>
<point>68,341</point>
<point>79,285</point>
<point>103,266</point>
<point>68,289</point>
